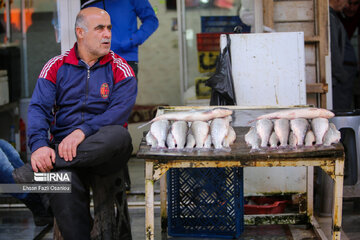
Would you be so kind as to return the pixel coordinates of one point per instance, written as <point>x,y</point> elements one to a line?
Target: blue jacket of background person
<point>126,36</point>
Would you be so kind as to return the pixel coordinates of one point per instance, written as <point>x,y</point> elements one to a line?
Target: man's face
<point>97,39</point>
<point>343,4</point>
<point>338,5</point>
<point>352,8</point>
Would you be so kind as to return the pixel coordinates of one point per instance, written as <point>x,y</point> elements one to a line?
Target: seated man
<point>9,160</point>
<point>94,91</point>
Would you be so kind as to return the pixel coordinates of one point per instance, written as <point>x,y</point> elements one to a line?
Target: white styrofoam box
<point>4,90</point>
<point>268,68</point>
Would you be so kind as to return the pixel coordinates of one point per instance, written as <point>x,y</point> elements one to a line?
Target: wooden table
<point>330,159</point>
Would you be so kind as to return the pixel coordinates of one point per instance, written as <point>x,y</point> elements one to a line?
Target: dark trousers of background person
<point>100,155</point>
<point>342,97</point>
<point>343,92</point>
<point>346,89</point>
<point>356,93</point>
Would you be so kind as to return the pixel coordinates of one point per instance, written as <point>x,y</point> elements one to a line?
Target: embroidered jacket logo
<point>104,90</point>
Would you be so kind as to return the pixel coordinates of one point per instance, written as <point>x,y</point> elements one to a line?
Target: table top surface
<point>240,151</point>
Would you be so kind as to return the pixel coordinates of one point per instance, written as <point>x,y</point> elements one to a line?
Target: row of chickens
<point>295,132</point>
<point>203,128</point>
<point>181,134</point>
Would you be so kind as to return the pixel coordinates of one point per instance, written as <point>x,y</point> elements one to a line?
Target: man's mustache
<point>104,40</point>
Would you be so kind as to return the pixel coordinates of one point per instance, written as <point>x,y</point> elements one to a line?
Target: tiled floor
<point>17,223</point>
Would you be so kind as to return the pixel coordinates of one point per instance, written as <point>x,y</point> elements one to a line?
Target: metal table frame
<point>154,169</point>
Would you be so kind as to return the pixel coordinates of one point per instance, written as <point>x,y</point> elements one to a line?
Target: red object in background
<point>227,4</point>
<point>273,206</point>
<point>208,41</point>
<point>22,129</point>
<point>15,16</point>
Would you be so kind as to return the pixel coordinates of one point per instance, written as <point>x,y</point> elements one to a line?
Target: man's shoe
<point>40,221</point>
<point>23,174</point>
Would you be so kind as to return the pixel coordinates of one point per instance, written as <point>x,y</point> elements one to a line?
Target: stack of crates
<point>208,42</point>
<point>205,202</point>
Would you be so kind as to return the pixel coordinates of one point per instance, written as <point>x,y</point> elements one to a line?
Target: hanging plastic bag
<point>221,82</point>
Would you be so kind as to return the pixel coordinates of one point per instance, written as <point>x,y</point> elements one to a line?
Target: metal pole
<point>24,50</point>
<point>182,48</point>
<point>259,19</point>
<point>8,21</point>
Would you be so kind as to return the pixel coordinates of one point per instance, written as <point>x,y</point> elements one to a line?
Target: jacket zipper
<point>86,92</point>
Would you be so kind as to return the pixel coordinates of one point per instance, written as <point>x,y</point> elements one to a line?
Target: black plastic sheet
<point>221,82</point>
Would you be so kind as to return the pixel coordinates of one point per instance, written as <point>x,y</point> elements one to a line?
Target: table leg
<point>310,191</point>
<point>149,201</point>
<point>337,199</point>
<point>163,200</point>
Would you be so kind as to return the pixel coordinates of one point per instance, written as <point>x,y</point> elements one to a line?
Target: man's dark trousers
<point>104,153</point>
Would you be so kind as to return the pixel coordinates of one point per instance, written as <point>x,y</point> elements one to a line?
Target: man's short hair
<point>80,23</point>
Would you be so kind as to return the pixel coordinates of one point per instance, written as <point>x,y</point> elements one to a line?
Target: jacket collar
<point>73,57</point>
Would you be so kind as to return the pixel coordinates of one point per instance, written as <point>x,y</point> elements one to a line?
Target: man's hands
<point>42,159</point>
<point>68,146</point>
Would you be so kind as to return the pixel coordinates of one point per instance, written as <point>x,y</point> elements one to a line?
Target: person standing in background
<point>350,17</point>
<point>342,82</point>
<point>126,35</point>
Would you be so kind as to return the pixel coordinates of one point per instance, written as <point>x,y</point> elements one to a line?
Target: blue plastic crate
<point>222,24</point>
<point>205,202</point>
